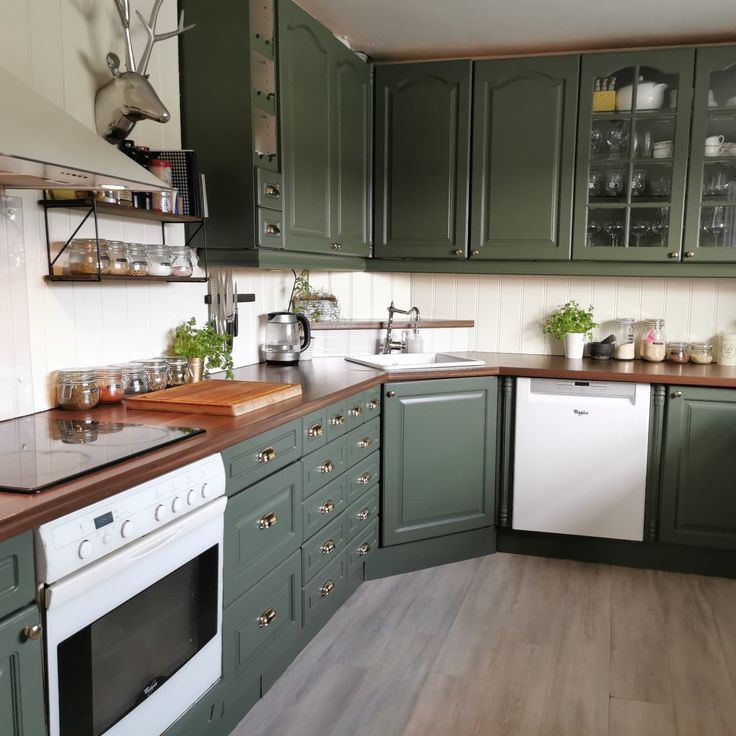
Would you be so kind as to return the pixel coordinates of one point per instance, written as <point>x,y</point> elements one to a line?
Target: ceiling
<point>424,29</point>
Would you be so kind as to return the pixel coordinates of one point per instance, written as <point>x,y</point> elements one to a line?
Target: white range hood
<point>43,147</point>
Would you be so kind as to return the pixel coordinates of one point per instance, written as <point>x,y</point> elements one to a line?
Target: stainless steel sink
<point>414,361</point>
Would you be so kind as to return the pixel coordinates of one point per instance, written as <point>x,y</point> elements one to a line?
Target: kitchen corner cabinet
<point>439,457</point>
<point>524,119</point>
<point>422,133</point>
<point>697,489</point>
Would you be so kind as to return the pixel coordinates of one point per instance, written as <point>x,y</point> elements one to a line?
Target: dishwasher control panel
<point>574,387</point>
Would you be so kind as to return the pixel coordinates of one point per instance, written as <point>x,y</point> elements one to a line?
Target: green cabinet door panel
<point>206,716</point>
<point>422,130</point>
<point>697,488</point>
<point>439,457</point>
<point>21,679</point>
<point>17,573</point>
<point>524,117</point>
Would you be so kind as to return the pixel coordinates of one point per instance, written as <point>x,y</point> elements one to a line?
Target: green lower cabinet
<point>363,476</point>
<point>323,547</point>
<point>324,594</point>
<point>361,547</point>
<point>324,505</point>
<point>207,717</point>
<point>17,573</point>
<point>439,457</point>
<point>22,710</point>
<point>364,440</point>
<point>697,488</point>
<point>363,511</point>
<point>321,466</point>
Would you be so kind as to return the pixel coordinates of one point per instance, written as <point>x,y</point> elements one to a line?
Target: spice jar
<point>134,378</point>
<point>624,331</point>
<point>178,370</point>
<point>701,352</point>
<point>181,261</point>
<point>77,389</point>
<point>652,346</point>
<point>84,258</point>
<point>117,254</point>
<point>159,260</point>
<point>111,385</point>
<point>137,260</point>
<point>678,352</point>
<point>157,373</point>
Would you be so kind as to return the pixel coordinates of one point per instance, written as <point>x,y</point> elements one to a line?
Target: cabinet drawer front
<point>364,475</point>
<point>314,430</point>
<point>324,505</point>
<point>262,528</point>
<point>269,188</point>
<point>254,459</point>
<point>324,547</point>
<point>356,411</point>
<point>362,441</point>
<point>372,402</point>
<point>17,575</point>
<point>363,512</point>
<point>360,548</point>
<point>322,466</point>
<point>270,233</point>
<point>325,587</point>
<point>337,419</point>
<point>260,618</point>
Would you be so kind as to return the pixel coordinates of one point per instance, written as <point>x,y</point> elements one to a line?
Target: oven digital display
<point>103,520</point>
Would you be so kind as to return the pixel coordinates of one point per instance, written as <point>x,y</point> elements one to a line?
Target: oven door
<point>134,639</point>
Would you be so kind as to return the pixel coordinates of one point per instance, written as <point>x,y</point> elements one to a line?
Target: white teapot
<point>649,96</point>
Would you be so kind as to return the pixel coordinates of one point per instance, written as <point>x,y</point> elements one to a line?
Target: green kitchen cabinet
<point>523,154</point>
<point>439,457</point>
<point>22,711</point>
<point>422,134</point>
<point>697,488</point>
<point>17,573</point>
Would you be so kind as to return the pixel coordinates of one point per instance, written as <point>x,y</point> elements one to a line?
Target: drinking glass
<point>613,229</point>
<point>597,140</point>
<point>592,231</point>
<point>638,182</point>
<point>615,138</point>
<point>645,146</point>
<point>595,184</point>
<point>661,225</point>
<point>716,224</point>
<point>661,187</point>
<point>614,183</point>
<point>638,230</point>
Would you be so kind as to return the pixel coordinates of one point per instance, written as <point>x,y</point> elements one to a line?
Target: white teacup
<point>714,140</point>
<point>662,149</point>
<point>713,151</point>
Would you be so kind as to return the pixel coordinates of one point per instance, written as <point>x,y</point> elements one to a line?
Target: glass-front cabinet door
<point>710,222</point>
<point>633,127</point>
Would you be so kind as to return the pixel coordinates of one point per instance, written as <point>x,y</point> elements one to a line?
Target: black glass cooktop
<point>39,451</point>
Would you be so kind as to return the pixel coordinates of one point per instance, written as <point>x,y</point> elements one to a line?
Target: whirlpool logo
<point>580,412</point>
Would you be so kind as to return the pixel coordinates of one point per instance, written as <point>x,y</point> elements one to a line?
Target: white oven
<point>133,604</point>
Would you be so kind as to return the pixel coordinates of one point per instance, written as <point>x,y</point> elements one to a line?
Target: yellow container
<point>604,101</point>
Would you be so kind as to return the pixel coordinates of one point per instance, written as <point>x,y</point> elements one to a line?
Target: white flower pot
<point>574,344</point>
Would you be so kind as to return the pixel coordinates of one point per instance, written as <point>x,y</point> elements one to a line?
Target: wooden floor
<point>510,645</point>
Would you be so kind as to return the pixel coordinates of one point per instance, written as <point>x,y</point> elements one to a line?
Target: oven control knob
<point>176,505</point>
<point>126,529</point>
<point>204,492</point>
<point>191,498</point>
<point>85,549</point>
<point>160,512</point>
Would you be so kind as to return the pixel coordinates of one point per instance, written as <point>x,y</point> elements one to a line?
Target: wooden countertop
<point>323,381</point>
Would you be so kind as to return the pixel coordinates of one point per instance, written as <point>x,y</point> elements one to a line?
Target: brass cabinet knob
<point>272,229</point>
<point>690,254</point>
<point>327,507</point>
<point>356,411</point>
<point>327,467</point>
<point>459,252</point>
<point>365,442</point>
<point>476,252</point>
<point>271,191</point>
<point>364,549</point>
<point>267,521</point>
<point>373,404</point>
<point>267,455</point>
<point>363,514</point>
<point>676,394</point>
<point>266,618</point>
<point>327,588</point>
<point>32,632</point>
<point>337,421</point>
<point>316,430</point>
<point>328,547</point>
<point>673,254</point>
<point>390,394</point>
<point>364,479</point>
<point>336,246</point>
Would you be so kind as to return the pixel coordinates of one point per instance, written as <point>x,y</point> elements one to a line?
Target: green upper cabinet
<point>422,132</point>
<point>632,155</point>
<point>697,489</point>
<point>325,114</point>
<point>524,117</point>
<point>710,222</point>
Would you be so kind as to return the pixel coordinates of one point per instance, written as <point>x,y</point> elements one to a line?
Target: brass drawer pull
<point>327,588</point>
<point>267,521</point>
<point>271,191</point>
<point>364,479</point>
<point>267,455</point>
<point>365,442</point>
<point>676,394</point>
<point>327,467</point>
<point>338,420</point>
<point>327,507</point>
<point>272,229</point>
<point>356,411</point>
<point>364,549</point>
<point>316,430</point>
<point>32,632</point>
<point>363,514</point>
<point>266,618</point>
<point>328,547</point>
<point>335,246</point>
<point>373,404</point>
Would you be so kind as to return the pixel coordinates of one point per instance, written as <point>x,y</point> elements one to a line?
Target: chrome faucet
<point>388,343</point>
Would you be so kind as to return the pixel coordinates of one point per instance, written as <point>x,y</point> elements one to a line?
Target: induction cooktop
<point>39,451</point>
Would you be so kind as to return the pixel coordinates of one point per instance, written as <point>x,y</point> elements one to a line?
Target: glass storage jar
<point>83,257</point>
<point>624,332</point>
<point>111,385</point>
<point>701,352</point>
<point>77,388</point>
<point>134,378</point>
<point>137,259</point>
<point>118,257</point>
<point>678,352</point>
<point>653,344</point>
<point>159,260</point>
<point>178,370</point>
<point>181,261</point>
<point>157,373</point>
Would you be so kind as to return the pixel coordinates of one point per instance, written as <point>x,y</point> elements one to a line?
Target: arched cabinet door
<point>523,158</point>
<point>422,125</point>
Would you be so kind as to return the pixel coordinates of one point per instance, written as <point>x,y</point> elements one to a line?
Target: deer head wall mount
<point>129,96</point>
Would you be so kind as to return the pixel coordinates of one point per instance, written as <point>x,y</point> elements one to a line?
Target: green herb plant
<point>570,317</point>
<point>204,342</point>
<point>306,296</point>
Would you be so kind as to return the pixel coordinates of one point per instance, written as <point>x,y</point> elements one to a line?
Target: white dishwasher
<point>580,457</point>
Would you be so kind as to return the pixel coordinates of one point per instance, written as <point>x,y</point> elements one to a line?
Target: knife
<point>227,303</point>
<point>235,311</point>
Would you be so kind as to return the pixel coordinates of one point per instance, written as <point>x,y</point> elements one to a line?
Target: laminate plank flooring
<point>508,645</point>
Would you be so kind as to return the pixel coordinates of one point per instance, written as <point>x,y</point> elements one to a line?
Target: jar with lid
<point>111,385</point>
<point>701,352</point>
<point>134,378</point>
<point>118,256</point>
<point>88,257</point>
<point>178,370</point>
<point>653,343</point>
<point>161,168</point>
<point>77,388</point>
<point>159,260</point>
<point>157,373</point>
<point>181,261</point>
<point>624,331</point>
<point>137,259</point>
<point>678,352</point>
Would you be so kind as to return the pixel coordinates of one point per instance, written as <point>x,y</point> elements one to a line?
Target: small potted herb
<point>314,303</point>
<point>573,324</point>
<point>204,347</point>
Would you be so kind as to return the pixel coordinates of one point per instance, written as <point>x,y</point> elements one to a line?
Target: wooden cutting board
<point>232,398</point>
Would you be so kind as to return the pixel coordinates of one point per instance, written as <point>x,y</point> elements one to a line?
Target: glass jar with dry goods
<point>137,259</point>
<point>181,261</point>
<point>77,388</point>
<point>678,352</point>
<point>653,343</point>
<point>624,332</point>
<point>88,257</point>
<point>159,260</point>
<point>157,373</point>
<point>701,352</point>
<point>134,378</point>
<point>178,370</point>
<point>111,385</point>
<point>117,253</point>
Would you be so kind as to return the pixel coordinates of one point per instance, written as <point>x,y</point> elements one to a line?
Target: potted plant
<point>573,324</point>
<point>314,303</point>
<point>204,347</point>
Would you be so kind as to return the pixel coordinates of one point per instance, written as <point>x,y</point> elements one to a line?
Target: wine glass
<point>638,230</point>
<point>597,139</point>
<point>592,230</point>
<point>614,183</point>
<point>638,182</point>
<point>613,229</point>
<point>661,225</point>
<point>615,138</point>
<point>595,184</point>
<point>716,224</point>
